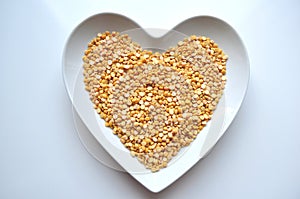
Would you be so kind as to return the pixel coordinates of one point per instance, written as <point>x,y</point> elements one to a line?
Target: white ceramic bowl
<point>97,137</point>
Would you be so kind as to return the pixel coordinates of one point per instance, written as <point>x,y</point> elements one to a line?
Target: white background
<point>41,155</point>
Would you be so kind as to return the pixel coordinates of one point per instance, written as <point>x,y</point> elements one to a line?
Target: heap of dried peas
<point>155,103</point>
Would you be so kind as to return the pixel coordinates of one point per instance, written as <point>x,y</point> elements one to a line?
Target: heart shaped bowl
<point>100,141</point>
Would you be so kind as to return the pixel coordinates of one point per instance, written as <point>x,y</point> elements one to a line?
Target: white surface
<point>236,86</point>
<point>42,157</point>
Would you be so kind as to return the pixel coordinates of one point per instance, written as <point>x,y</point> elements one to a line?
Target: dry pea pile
<point>155,103</point>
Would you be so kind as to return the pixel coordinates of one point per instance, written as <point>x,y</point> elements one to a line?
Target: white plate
<point>238,70</point>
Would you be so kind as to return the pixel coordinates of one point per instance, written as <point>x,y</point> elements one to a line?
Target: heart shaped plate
<point>238,70</point>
